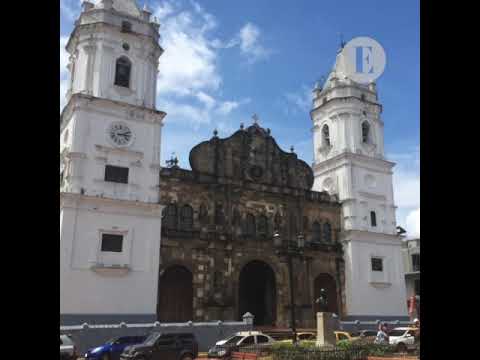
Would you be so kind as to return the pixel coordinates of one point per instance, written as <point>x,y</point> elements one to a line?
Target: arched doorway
<point>326,282</point>
<point>175,295</point>
<point>257,293</point>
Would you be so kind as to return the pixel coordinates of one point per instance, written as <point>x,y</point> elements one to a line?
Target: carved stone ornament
<point>252,155</point>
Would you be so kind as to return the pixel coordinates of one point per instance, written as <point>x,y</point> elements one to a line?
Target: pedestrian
<point>381,335</point>
<point>416,323</point>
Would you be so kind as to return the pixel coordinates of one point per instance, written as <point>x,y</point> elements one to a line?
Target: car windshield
<point>150,340</point>
<point>396,333</point>
<point>111,341</point>
<point>233,340</point>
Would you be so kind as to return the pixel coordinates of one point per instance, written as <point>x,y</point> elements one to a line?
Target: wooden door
<point>175,298</point>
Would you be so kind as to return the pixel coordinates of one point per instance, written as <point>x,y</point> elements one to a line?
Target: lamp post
<point>290,251</point>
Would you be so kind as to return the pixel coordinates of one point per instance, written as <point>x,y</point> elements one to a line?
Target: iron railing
<point>351,352</point>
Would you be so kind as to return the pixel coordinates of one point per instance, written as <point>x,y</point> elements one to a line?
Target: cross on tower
<point>255,119</point>
<point>173,162</point>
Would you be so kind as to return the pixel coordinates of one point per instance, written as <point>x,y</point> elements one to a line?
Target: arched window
<point>250,227</point>
<point>203,214</point>
<point>373,218</point>
<point>219,214</point>
<point>327,232</point>
<point>316,232</point>
<point>365,132</point>
<point>326,135</point>
<point>186,218</point>
<point>262,225</point>
<point>236,217</point>
<point>293,226</point>
<point>278,222</point>
<point>305,224</point>
<point>170,217</point>
<point>123,69</point>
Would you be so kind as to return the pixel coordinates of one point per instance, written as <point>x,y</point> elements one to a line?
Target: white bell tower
<point>110,137</point>
<point>349,161</point>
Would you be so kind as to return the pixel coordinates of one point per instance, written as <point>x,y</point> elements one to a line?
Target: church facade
<point>219,258</point>
<point>140,242</point>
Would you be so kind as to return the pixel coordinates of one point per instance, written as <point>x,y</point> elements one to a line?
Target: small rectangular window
<point>126,26</point>
<point>417,287</point>
<point>116,174</point>
<point>373,218</point>
<point>377,264</point>
<point>416,262</point>
<point>112,243</point>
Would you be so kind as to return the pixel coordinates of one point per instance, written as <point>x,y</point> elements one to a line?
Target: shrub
<point>344,350</point>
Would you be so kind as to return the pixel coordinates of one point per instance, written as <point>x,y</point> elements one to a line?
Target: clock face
<point>120,134</point>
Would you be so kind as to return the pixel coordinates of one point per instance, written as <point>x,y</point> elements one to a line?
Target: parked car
<point>344,335</point>
<point>163,346</point>
<point>224,348</point>
<point>68,350</point>
<point>112,349</point>
<point>302,336</point>
<point>403,338</point>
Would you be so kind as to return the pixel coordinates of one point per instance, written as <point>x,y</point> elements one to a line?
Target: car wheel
<point>401,347</point>
<point>105,357</point>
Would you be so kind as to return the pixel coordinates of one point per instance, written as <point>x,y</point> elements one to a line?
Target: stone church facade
<point>218,258</point>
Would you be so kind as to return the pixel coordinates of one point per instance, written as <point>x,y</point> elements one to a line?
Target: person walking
<point>382,337</point>
<point>416,323</point>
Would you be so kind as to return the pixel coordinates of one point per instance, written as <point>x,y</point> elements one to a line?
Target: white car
<point>223,348</point>
<point>402,337</point>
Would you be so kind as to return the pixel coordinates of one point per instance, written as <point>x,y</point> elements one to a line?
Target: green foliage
<point>344,350</point>
<point>344,344</point>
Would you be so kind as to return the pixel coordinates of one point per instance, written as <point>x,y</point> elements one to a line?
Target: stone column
<point>325,334</point>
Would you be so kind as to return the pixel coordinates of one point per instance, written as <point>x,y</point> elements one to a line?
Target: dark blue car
<point>112,349</point>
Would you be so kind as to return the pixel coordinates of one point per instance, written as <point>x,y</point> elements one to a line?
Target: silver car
<point>68,350</point>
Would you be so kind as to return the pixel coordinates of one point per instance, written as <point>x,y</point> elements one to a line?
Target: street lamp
<point>290,251</point>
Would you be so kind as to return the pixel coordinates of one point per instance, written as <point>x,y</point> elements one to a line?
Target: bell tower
<point>349,161</point>
<point>110,138</point>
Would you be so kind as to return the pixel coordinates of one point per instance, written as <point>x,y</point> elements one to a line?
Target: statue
<point>322,301</point>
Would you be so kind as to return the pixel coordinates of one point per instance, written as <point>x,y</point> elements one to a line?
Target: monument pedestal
<point>325,329</point>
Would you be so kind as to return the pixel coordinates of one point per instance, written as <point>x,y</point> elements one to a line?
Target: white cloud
<point>64,56</point>
<point>70,8</point>
<point>413,223</point>
<point>189,62</point>
<point>189,80</point>
<point>206,99</point>
<point>299,101</point>
<point>406,185</point>
<point>250,43</point>
<point>406,179</point>
<point>227,107</point>
<point>64,74</point>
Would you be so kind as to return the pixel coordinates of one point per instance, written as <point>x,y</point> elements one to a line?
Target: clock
<point>120,134</point>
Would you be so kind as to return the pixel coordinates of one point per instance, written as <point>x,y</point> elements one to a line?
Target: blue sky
<point>225,60</point>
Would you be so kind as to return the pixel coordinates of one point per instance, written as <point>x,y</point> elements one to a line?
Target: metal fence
<point>307,353</point>
<point>358,351</point>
